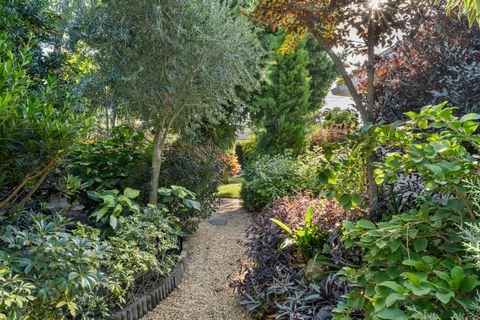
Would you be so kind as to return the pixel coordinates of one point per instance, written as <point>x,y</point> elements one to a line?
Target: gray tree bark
<point>156,164</point>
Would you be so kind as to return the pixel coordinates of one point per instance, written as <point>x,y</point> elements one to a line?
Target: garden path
<point>214,250</point>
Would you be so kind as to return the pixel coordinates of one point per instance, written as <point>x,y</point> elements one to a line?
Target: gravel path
<point>204,293</point>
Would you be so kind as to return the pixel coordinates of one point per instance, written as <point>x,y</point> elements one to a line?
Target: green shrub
<point>248,149</point>
<point>339,117</point>
<point>197,168</point>
<point>180,202</point>
<point>47,271</point>
<point>269,178</point>
<point>415,259</point>
<point>142,251</point>
<point>37,131</point>
<point>272,177</point>
<point>108,164</point>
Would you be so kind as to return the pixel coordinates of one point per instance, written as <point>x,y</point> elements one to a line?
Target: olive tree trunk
<point>159,139</point>
<point>158,143</point>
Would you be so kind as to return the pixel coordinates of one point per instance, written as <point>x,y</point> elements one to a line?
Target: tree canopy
<point>174,63</point>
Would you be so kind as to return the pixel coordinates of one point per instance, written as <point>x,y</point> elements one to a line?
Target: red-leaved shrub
<point>329,215</point>
<point>270,270</point>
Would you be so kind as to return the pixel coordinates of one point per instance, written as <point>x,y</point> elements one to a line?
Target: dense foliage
<point>111,163</point>
<point>276,283</point>
<point>49,271</point>
<point>198,169</point>
<point>36,132</point>
<point>269,178</point>
<point>415,262</point>
<point>438,63</point>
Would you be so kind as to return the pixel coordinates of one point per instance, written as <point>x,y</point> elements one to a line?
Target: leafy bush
<point>267,179</point>
<point>108,164</point>
<point>180,202</point>
<point>196,168</point>
<point>312,300</point>
<point>322,137</point>
<point>337,117</point>
<point>47,271</point>
<point>416,259</point>
<point>248,149</point>
<point>410,76</point>
<point>36,131</point>
<point>272,177</point>
<point>143,249</point>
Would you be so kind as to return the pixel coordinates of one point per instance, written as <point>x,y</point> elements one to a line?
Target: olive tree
<point>176,61</point>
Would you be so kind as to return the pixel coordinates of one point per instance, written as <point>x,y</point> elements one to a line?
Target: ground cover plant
<point>276,282</point>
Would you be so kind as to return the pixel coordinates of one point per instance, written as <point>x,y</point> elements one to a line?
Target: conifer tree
<point>285,105</point>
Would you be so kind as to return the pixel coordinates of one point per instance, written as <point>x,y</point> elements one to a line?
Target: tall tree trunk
<point>159,139</point>
<point>156,164</point>
<point>113,107</point>
<point>372,185</point>
<point>107,116</point>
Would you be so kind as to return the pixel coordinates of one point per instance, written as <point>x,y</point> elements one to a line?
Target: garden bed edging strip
<point>147,302</point>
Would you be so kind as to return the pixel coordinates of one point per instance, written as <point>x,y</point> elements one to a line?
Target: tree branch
<point>359,105</point>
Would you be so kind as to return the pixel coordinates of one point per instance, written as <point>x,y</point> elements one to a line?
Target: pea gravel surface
<point>214,251</point>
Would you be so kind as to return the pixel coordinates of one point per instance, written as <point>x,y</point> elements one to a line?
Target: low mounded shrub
<point>267,179</point>
<point>271,177</point>
<point>275,282</point>
<point>323,136</point>
<point>50,269</point>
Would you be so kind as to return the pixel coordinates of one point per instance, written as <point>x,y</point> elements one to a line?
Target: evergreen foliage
<point>286,105</point>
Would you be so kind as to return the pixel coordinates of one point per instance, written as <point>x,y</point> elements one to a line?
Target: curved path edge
<point>148,301</point>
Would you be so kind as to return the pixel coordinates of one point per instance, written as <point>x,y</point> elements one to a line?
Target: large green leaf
<point>308,218</point>
<point>283,226</point>
<point>131,193</point>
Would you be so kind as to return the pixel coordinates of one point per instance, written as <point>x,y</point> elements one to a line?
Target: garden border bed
<point>147,302</point>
